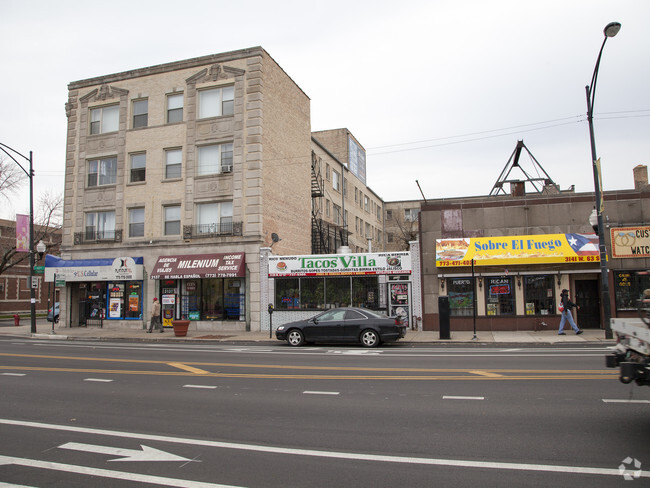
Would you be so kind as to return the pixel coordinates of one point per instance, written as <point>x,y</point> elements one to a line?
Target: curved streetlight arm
<point>591,89</point>
<point>3,146</point>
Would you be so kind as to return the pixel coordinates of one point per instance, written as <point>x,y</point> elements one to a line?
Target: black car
<point>346,324</point>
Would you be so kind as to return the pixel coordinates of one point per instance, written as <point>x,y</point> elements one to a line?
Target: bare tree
<point>47,227</point>
<point>407,230</point>
<point>11,177</point>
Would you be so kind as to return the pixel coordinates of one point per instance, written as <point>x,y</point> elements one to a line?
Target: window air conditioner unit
<point>226,169</point>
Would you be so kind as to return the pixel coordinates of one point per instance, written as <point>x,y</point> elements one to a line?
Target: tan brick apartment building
<point>177,175</point>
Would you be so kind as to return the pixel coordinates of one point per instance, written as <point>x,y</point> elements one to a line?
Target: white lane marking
<point>12,374</point>
<point>207,387</point>
<point>107,473</point>
<point>451,397</point>
<point>145,453</point>
<point>315,453</point>
<point>98,380</point>
<point>614,400</point>
<point>320,392</point>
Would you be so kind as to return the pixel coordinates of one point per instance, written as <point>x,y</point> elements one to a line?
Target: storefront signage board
<point>340,264</point>
<point>630,242</point>
<point>532,249</point>
<point>118,269</point>
<point>189,266</point>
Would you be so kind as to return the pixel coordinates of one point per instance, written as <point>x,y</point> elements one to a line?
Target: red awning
<point>188,266</point>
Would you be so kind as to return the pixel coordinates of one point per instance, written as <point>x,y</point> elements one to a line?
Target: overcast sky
<point>438,91</point>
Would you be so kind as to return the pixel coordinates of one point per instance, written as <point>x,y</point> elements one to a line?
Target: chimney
<point>640,176</point>
<point>517,188</point>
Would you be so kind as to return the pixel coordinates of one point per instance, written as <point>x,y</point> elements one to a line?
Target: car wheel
<point>295,338</point>
<point>56,319</point>
<point>369,338</point>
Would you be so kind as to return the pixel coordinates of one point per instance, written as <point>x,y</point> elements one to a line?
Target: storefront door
<point>399,296</point>
<point>587,298</point>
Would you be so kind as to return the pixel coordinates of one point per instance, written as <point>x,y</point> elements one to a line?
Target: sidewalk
<point>44,331</point>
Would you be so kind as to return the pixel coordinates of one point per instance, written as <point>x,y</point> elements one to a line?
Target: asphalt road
<point>74,415</point>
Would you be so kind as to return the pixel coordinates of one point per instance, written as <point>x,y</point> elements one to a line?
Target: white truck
<point>632,351</point>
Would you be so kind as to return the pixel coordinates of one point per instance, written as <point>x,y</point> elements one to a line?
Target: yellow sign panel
<point>533,249</point>
<point>630,242</point>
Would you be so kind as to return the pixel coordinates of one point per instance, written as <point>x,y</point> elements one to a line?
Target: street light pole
<point>30,175</point>
<point>610,30</point>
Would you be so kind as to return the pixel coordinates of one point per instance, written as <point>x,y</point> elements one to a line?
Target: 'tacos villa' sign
<point>340,264</point>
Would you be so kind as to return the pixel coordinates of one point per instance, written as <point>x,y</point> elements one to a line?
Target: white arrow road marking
<point>300,452</point>
<point>451,397</point>
<point>144,454</point>
<point>320,392</point>
<point>107,473</point>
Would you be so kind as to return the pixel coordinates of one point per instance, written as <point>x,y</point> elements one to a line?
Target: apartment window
<point>138,167</point>
<point>216,102</point>
<point>327,208</point>
<point>173,163</point>
<point>215,159</point>
<point>336,181</point>
<point>174,108</point>
<point>337,214</point>
<point>411,214</point>
<point>100,225</point>
<point>172,216</point>
<point>104,119</point>
<point>356,224</point>
<point>368,231</point>
<point>102,172</point>
<point>136,222</point>
<point>214,217</point>
<point>389,237</point>
<point>327,171</point>
<point>140,113</point>
<point>378,212</point>
<point>356,195</point>
<point>389,215</point>
<point>366,204</point>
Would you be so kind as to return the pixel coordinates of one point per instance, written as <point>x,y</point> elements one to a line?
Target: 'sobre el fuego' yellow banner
<point>537,249</point>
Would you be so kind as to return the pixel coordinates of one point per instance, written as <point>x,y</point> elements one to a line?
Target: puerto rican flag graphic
<point>583,245</point>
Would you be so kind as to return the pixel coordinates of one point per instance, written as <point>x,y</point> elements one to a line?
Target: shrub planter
<point>180,327</point>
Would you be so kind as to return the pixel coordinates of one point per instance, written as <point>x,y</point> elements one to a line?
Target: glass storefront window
<point>312,293</point>
<point>461,297</point>
<point>337,292</point>
<point>629,286</point>
<point>134,300</point>
<point>287,294</point>
<point>212,297</point>
<point>499,295</point>
<point>234,299</point>
<point>365,293</point>
<point>323,293</point>
<point>539,295</point>
<point>191,300</point>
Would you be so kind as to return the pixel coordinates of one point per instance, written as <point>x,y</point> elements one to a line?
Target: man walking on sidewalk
<point>566,306</point>
<point>155,316</point>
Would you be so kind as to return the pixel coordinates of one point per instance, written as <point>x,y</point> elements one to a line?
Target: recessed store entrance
<point>587,296</point>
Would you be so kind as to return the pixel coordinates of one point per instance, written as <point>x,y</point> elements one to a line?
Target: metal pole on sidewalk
<point>53,303</point>
<point>474,299</point>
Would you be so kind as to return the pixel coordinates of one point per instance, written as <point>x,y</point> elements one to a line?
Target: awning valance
<point>188,266</point>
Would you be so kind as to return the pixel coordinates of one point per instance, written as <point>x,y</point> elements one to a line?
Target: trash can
<point>443,314</point>
<point>16,320</point>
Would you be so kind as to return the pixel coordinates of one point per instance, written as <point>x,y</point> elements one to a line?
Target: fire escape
<point>326,237</point>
